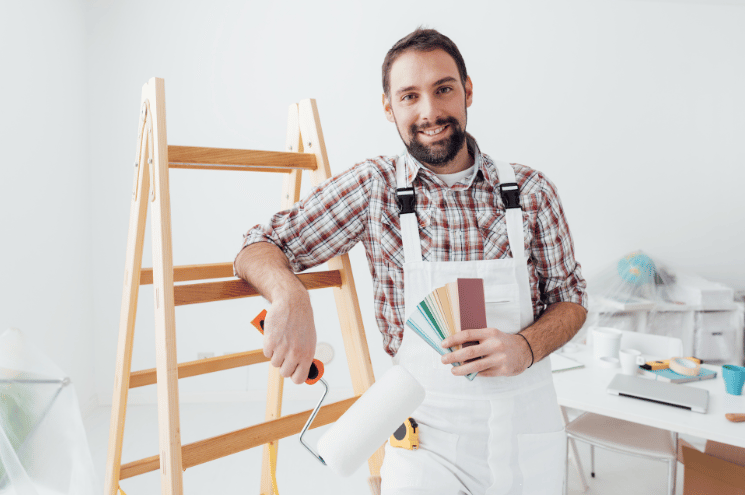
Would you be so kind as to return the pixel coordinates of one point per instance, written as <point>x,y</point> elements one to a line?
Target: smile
<point>434,132</point>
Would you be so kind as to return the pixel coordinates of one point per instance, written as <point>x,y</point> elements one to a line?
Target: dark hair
<point>424,40</point>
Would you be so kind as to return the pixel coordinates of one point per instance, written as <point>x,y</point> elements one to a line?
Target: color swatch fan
<point>449,309</point>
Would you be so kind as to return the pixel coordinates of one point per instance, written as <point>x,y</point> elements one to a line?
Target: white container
<point>630,361</point>
<point>606,342</point>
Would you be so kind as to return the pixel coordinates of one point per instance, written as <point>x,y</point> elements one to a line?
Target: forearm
<point>265,266</point>
<point>289,331</point>
<point>555,327</point>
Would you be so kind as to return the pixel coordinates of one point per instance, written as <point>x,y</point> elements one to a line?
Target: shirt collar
<point>413,166</point>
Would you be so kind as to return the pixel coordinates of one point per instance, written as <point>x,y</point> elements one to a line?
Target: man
<point>500,432</point>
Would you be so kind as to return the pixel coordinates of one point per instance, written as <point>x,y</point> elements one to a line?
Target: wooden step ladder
<point>154,158</point>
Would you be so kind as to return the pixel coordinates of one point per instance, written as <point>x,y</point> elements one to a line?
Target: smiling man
<point>471,217</point>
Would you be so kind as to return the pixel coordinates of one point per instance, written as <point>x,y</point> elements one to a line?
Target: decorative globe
<point>637,268</point>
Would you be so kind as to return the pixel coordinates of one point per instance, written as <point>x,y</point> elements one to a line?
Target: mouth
<point>434,131</point>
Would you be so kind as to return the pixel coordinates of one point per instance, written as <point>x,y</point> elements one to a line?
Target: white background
<point>635,109</point>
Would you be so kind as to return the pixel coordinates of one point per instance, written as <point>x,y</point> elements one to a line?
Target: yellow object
<point>657,365</point>
<point>273,466</point>
<point>665,364</point>
<point>121,491</point>
<point>406,436</point>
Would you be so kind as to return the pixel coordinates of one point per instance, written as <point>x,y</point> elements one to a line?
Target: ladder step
<point>185,273</point>
<point>193,157</point>
<point>233,289</point>
<point>213,448</point>
<point>200,367</point>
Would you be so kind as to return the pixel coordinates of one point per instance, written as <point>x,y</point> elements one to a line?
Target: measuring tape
<point>406,436</point>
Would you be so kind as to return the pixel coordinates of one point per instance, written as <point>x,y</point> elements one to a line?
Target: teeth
<point>432,132</point>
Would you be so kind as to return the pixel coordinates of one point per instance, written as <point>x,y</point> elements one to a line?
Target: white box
<point>707,295</point>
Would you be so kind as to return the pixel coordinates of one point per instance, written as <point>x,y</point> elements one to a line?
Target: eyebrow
<point>437,83</point>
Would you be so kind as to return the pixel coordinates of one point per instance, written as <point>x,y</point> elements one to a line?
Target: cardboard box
<point>719,470</point>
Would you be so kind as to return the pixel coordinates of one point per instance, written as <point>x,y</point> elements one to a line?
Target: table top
<point>585,389</point>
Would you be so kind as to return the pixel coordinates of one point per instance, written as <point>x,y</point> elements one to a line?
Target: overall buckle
<point>406,200</point>
<point>510,194</point>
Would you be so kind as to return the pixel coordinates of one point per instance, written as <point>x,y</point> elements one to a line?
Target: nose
<point>429,110</point>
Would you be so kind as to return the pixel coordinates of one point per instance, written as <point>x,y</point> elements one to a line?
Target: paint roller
<point>368,423</point>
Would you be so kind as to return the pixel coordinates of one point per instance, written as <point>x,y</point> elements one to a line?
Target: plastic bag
<point>43,445</point>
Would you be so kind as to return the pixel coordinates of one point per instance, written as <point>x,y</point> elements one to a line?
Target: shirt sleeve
<point>560,276</point>
<point>327,223</point>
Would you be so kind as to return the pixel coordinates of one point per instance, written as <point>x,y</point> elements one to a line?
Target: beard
<point>441,152</point>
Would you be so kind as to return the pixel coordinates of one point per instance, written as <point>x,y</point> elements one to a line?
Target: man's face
<point>428,105</point>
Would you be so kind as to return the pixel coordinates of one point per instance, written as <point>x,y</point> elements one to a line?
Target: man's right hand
<point>289,330</point>
<point>290,335</point>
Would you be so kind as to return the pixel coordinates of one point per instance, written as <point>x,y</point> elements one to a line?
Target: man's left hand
<point>496,353</point>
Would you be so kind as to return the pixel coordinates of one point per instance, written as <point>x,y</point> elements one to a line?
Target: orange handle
<point>735,418</point>
<point>316,368</point>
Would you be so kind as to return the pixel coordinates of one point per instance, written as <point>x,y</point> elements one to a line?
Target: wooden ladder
<point>154,157</point>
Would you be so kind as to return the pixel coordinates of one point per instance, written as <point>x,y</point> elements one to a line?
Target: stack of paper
<point>454,307</point>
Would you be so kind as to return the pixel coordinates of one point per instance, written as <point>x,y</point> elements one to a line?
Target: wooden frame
<point>151,187</point>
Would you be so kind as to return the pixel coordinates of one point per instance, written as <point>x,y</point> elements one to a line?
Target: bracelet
<point>532,357</point>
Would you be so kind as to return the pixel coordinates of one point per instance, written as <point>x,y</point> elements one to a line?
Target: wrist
<point>530,354</point>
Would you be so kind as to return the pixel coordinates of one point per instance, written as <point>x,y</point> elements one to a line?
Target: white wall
<point>45,201</point>
<point>633,108</point>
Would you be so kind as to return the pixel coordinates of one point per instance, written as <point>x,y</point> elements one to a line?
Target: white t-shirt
<point>452,179</point>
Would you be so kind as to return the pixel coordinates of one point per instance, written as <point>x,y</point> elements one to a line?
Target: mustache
<point>439,122</point>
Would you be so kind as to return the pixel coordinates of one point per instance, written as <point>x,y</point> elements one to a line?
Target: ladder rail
<point>128,312</point>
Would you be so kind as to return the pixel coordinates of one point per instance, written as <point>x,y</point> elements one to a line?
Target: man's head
<point>426,93</point>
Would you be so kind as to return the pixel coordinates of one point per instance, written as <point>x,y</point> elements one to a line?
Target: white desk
<point>585,389</point>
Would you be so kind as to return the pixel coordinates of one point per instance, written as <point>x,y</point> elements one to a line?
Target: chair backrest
<point>659,346</point>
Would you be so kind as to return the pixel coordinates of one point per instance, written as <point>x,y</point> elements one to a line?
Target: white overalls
<point>492,435</point>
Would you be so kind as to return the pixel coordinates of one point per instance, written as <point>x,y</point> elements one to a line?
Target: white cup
<point>605,342</point>
<point>630,360</point>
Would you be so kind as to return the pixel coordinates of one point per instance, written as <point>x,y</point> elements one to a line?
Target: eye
<point>445,89</point>
<point>408,97</point>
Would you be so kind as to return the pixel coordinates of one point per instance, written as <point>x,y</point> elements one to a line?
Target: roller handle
<point>316,368</point>
<point>735,418</point>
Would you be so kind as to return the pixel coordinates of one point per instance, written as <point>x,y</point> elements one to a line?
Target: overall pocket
<point>542,458</point>
<point>503,307</point>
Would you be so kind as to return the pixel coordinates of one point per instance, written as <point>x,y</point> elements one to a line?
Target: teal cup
<point>734,377</point>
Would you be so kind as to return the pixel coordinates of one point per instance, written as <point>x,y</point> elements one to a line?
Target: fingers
<point>465,354</point>
<point>494,355</point>
<point>300,374</point>
<point>464,336</point>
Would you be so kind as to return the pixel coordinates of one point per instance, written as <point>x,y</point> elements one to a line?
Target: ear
<point>469,91</point>
<point>387,109</point>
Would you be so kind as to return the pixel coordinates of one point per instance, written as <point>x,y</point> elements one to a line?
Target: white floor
<point>298,472</point>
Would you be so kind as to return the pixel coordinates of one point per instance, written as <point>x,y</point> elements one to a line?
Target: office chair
<point>626,437</point>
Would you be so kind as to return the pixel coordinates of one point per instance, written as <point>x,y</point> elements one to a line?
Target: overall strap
<point>513,214</point>
<point>407,216</point>
<point>510,193</point>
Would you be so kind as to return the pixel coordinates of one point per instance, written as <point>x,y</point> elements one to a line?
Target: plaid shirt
<point>462,223</point>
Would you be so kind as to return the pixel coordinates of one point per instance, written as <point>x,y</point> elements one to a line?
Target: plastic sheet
<point>43,445</point>
<point>637,293</point>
